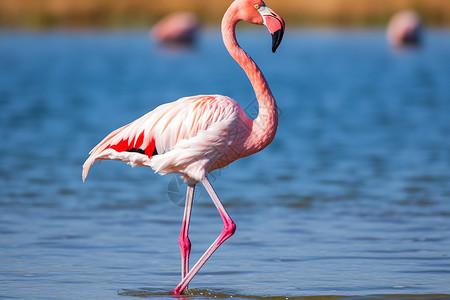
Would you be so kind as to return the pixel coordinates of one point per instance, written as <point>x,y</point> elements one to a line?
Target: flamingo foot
<point>176,292</point>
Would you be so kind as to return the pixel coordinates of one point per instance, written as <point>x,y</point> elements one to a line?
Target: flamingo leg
<point>185,243</point>
<point>228,230</point>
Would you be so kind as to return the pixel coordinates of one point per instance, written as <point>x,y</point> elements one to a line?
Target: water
<point>351,199</point>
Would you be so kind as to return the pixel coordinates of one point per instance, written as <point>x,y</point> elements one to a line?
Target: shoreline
<point>141,14</point>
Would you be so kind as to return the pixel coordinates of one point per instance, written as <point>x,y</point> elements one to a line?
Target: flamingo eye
<point>257,6</point>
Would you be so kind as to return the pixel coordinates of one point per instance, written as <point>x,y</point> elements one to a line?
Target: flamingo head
<point>256,12</point>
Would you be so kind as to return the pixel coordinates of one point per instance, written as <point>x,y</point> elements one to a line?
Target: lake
<point>351,200</point>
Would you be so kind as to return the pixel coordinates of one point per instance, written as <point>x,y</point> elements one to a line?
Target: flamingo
<point>177,28</point>
<point>404,29</point>
<point>196,135</point>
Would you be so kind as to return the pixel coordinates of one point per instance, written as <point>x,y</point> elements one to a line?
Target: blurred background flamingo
<point>405,29</point>
<point>178,28</point>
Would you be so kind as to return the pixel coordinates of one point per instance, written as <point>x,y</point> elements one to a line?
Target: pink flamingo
<point>196,135</point>
<point>176,28</point>
<point>404,29</point>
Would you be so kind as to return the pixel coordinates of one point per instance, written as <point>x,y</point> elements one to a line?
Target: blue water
<point>351,199</point>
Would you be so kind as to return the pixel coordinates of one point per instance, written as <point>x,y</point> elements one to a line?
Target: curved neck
<point>265,125</point>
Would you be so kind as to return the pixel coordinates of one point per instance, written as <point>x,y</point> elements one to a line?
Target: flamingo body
<point>195,135</point>
<point>177,28</point>
<point>404,29</point>
<point>191,136</point>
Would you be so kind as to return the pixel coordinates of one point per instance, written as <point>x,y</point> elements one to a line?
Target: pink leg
<point>228,230</point>
<point>185,243</point>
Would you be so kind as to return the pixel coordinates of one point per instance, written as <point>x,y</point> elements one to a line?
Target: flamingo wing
<point>176,137</point>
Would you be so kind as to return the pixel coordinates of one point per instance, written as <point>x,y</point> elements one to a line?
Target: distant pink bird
<point>404,29</point>
<point>196,135</point>
<point>177,28</point>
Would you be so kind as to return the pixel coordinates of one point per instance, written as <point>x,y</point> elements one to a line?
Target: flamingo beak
<point>275,25</point>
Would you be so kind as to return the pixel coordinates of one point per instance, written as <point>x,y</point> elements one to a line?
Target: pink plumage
<point>177,28</point>
<point>190,136</point>
<point>404,29</point>
<point>195,135</point>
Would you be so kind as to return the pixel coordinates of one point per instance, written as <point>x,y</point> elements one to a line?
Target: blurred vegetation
<point>143,13</point>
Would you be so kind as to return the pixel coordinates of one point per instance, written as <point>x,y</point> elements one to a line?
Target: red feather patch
<point>125,145</point>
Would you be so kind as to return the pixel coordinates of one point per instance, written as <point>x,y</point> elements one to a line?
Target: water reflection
<point>196,293</point>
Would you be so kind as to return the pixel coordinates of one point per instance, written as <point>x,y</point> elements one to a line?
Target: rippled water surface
<point>351,199</point>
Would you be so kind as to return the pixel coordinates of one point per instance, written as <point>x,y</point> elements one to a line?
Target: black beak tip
<point>277,36</point>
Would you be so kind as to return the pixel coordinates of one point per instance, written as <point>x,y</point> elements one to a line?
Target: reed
<point>143,13</point>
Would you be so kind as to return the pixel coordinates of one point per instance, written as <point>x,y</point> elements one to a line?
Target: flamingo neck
<point>264,126</point>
